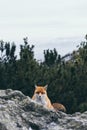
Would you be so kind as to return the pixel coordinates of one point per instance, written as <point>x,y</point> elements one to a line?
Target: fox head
<point>40,94</point>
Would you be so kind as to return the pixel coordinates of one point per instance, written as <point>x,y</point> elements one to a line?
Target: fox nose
<point>39,94</point>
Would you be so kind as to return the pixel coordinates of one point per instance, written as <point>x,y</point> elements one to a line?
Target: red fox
<point>40,96</point>
<point>59,107</point>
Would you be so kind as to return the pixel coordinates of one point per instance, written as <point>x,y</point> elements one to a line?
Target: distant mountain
<point>64,46</point>
<point>67,57</point>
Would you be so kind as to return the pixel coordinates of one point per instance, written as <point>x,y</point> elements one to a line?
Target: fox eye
<point>42,92</point>
<point>37,92</point>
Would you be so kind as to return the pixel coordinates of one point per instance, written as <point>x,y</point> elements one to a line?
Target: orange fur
<point>59,107</point>
<point>40,96</point>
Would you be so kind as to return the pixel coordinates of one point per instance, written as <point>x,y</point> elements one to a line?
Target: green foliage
<point>51,57</point>
<point>67,80</point>
<point>26,52</point>
<point>83,107</point>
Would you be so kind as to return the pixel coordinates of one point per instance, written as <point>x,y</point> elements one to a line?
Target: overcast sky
<point>42,20</point>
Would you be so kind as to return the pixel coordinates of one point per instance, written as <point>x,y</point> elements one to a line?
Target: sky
<point>44,22</point>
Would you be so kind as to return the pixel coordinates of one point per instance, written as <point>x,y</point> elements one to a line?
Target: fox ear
<point>35,86</point>
<point>46,87</point>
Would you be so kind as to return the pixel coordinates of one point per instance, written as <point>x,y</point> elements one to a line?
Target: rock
<point>19,112</point>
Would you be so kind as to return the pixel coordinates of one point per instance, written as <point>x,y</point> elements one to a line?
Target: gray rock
<point>19,112</point>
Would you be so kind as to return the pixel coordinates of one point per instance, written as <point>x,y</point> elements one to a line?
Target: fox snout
<point>39,95</point>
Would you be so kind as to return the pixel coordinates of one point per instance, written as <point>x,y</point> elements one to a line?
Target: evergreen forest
<point>66,79</point>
